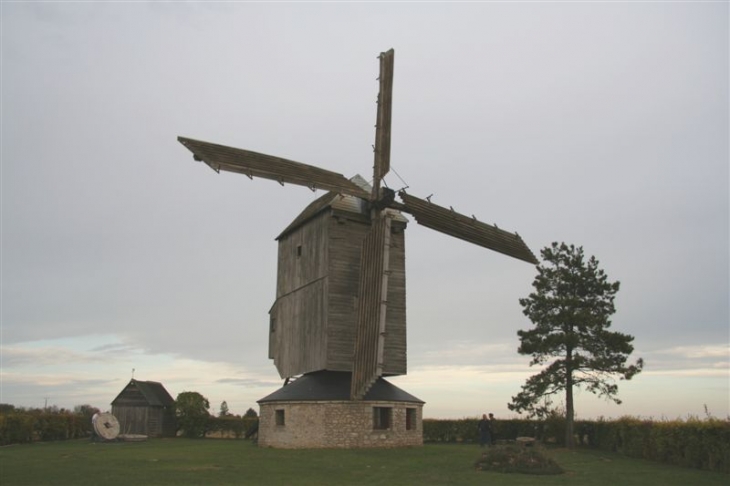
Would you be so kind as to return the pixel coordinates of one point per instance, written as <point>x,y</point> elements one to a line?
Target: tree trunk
<point>569,437</point>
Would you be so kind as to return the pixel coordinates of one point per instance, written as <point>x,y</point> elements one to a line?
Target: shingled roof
<point>153,392</point>
<point>335,385</point>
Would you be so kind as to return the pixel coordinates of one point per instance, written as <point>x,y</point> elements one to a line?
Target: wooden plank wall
<point>315,313</point>
<point>298,341</point>
<point>346,236</point>
<point>395,360</point>
<point>132,419</point>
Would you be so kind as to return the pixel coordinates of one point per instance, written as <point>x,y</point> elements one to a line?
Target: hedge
<point>692,443</point>
<point>231,425</point>
<point>20,426</point>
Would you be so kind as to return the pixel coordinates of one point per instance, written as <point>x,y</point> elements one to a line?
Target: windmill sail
<point>469,229</point>
<point>254,164</point>
<point>375,258</point>
<point>371,316</point>
<point>383,122</point>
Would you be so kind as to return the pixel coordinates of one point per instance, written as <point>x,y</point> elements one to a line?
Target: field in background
<point>209,461</point>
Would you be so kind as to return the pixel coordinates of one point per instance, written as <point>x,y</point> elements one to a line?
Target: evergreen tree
<point>224,412</point>
<point>251,413</point>
<point>570,309</point>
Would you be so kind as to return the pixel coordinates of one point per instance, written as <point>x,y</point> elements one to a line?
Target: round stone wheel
<point>107,426</point>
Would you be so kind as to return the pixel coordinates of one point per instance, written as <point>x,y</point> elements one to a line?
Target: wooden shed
<point>146,408</point>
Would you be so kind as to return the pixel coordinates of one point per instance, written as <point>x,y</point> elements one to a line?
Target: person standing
<point>484,431</point>
<point>490,426</point>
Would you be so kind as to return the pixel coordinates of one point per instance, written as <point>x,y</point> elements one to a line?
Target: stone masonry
<point>340,424</point>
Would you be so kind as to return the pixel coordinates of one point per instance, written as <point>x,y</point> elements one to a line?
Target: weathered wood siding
<point>346,236</point>
<point>395,361</point>
<point>314,317</point>
<point>297,338</point>
<point>145,420</point>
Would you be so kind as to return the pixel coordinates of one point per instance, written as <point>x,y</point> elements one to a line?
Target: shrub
<point>16,428</point>
<point>517,459</point>
<point>191,411</point>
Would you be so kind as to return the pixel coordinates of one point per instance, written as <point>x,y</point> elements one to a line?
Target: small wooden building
<point>145,408</point>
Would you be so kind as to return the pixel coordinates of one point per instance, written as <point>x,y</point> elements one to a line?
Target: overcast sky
<point>601,124</point>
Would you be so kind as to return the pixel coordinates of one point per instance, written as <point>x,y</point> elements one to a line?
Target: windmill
<point>365,336</point>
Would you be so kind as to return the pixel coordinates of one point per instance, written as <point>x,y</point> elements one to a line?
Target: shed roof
<point>152,391</point>
<point>335,385</point>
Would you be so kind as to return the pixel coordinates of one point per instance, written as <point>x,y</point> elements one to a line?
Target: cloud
<point>709,351</point>
<point>249,382</point>
<point>50,380</point>
<point>13,356</point>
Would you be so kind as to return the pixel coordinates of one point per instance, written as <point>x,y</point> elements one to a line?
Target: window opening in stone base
<point>411,415</point>
<point>382,417</point>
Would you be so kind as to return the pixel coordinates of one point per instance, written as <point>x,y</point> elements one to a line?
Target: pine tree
<point>570,309</point>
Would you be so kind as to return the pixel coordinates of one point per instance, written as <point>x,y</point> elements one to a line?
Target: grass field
<point>182,461</point>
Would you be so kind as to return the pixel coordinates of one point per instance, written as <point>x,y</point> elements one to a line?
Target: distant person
<point>484,431</point>
<point>490,426</point>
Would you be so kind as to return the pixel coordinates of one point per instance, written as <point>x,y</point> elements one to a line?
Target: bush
<point>191,411</point>
<point>517,459</point>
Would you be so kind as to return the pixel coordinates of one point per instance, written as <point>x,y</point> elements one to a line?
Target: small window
<point>280,418</point>
<point>382,417</point>
<point>299,251</point>
<point>272,324</point>
<point>411,415</point>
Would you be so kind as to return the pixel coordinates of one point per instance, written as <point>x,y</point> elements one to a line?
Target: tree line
<point>21,425</point>
<point>195,421</point>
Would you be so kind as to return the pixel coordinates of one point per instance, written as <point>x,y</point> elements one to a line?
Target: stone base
<point>340,424</point>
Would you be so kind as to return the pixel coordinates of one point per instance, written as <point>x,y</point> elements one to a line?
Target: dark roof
<point>319,204</point>
<point>340,203</point>
<point>153,392</point>
<point>335,385</point>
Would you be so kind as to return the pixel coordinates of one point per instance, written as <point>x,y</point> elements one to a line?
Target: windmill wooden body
<point>312,322</point>
<point>340,306</point>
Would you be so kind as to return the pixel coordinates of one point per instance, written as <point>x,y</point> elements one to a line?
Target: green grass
<point>183,461</point>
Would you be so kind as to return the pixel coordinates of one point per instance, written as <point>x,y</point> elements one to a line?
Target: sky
<point>599,124</point>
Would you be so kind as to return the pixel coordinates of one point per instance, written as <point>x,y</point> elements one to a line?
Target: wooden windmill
<point>341,281</point>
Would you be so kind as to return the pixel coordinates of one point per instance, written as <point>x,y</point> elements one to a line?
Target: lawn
<point>209,461</point>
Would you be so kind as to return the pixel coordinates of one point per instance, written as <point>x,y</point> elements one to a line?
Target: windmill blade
<point>466,228</point>
<point>372,305</point>
<point>253,164</point>
<point>383,122</point>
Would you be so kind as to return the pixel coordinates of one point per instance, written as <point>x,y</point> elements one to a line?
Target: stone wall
<point>339,424</point>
